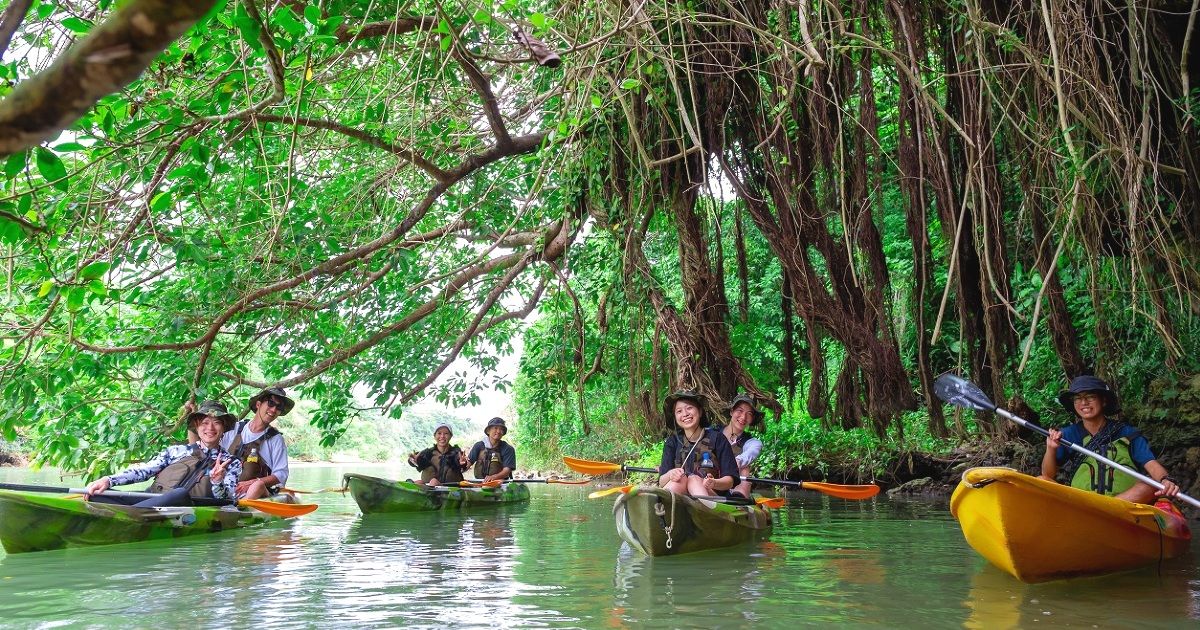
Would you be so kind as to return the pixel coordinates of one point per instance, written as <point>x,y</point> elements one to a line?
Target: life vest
<point>740,444</point>
<point>490,462</point>
<point>705,445</point>
<point>187,472</point>
<point>443,466</point>
<point>255,469</point>
<point>1096,476</point>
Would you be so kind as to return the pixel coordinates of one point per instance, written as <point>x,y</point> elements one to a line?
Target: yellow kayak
<point>1038,530</point>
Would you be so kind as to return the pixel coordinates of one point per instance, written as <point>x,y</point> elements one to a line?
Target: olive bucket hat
<point>496,422</point>
<point>691,396</point>
<point>757,414</point>
<point>1089,383</point>
<point>277,392</point>
<point>211,408</point>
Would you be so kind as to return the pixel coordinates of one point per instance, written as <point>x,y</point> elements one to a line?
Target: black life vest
<point>189,472</point>
<point>443,466</point>
<point>251,469</point>
<point>704,445</point>
<point>490,462</point>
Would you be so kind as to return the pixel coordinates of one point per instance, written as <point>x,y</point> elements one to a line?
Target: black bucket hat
<point>1089,383</point>
<point>685,394</point>
<point>211,408</point>
<point>757,414</point>
<point>496,422</point>
<point>277,392</point>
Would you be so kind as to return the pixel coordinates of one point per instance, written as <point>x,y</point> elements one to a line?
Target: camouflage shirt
<point>141,472</point>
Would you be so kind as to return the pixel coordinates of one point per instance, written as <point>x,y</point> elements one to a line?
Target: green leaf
<point>312,14</point>
<point>67,147</point>
<point>596,101</point>
<point>97,287</point>
<point>77,25</point>
<point>161,201</point>
<point>10,232</point>
<point>482,17</point>
<point>94,270</point>
<point>286,20</point>
<point>445,43</point>
<point>15,164</point>
<point>630,84</point>
<point>75,297</point>
<point>538,20</point>
<point>51,168</point>
<point>45,289</point>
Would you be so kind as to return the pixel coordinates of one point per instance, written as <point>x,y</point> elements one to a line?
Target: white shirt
<point>273,451</point>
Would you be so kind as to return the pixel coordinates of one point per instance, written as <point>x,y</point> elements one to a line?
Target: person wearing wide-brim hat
<point>492,457</point>
<point>1092,401</point>
<point>697,460</point>
<point>259,446</point>
<point>185,471</point>
<point>442,463</point>
<point>743,413</point>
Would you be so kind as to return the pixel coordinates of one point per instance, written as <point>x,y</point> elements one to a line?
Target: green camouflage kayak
<point>659,523</point>
<point>375,495</point>
<point>33,521</point>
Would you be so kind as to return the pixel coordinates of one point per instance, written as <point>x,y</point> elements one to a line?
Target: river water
<point>558,563</point>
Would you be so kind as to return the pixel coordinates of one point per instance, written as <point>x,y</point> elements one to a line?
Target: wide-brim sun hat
<point>496,422</point>
<point>688,395</point>
<point>1089,383</point>
<point>278,392</point>
<point>757,414</point>
<point>212,408</point>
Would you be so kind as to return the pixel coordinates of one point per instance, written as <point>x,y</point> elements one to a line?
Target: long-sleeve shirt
<point>145,470</point>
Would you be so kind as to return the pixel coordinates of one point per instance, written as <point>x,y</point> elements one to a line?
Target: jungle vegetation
<point>823,203</point>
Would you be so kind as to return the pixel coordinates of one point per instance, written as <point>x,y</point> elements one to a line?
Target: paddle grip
<point>1083,451</point>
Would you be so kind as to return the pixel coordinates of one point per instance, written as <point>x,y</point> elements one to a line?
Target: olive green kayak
<point>657,522</point>
<point>375,495</point>
<point>34,521</point>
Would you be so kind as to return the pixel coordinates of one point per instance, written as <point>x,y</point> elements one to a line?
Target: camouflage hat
<point>211,408</point>
<point>691,396</point>
<point>277,392</point>
<point>756,413</point>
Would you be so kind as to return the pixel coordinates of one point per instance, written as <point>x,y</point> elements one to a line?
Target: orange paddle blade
<point>480,484</point>
<point>607,491</point>
<point>589,467</point>
<point>285,510</point>
<point>574,482</point>
<point>771,502</point>
<point>841,491</point>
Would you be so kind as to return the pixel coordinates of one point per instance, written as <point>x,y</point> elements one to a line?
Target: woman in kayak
<point>1092,401</point>
<point>743,413</point>
<point>696,459</point>
<point>201,470</point>
<point>441,463</point>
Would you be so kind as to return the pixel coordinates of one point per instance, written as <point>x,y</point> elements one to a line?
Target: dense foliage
<point>822,203</point>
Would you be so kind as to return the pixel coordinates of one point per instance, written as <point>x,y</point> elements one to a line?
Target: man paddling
<point>1092,401</point>
<point>201,469</point>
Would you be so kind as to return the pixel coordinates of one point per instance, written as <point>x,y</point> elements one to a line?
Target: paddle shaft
<point>778,482</point>
<point>1083,451</point>
<point>112,493</point>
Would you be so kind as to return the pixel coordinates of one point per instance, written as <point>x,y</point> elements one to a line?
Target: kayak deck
<point>375,495</point>
<point>658,522</point>
<point>41,522</point>
<point>1038,530</point>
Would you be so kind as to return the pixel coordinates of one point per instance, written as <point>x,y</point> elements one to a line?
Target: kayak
<point>375,495</point>
<point>34,521</point>
<point>658,522</point>
<point>1038,530</point>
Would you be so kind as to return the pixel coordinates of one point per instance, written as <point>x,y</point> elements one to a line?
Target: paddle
<point>963,393</point>
<point>573,482</point>
<point>285,510</point>
<point>768,502</point>
<point>589,467</point>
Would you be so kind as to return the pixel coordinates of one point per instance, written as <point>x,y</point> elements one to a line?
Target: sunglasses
<point>272,403</point>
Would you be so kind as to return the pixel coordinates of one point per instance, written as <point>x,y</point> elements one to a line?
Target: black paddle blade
<point>961,393</point>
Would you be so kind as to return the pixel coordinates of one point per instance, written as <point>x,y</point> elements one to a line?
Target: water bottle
<point>252,458</point>
<point>494,465</point>
<point>707,468</point>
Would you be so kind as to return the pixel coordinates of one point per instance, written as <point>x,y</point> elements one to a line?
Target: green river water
<point>558,563</point>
